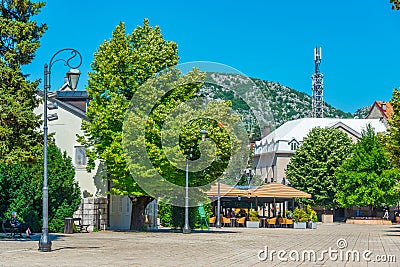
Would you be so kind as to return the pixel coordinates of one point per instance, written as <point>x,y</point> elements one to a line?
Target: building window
<point>80,156</point>
<point>293,146</point>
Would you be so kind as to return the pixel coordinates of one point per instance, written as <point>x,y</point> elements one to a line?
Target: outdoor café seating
<point>285,222</point>
<point>212,220</point>
<point>241,221</point>
<point>272,202</point>
<point>225,221</point>
<point>271,222</point>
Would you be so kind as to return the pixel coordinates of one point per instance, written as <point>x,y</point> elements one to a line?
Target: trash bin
<point>68,226</point>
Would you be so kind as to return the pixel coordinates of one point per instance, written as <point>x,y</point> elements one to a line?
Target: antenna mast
<point>317,86</point>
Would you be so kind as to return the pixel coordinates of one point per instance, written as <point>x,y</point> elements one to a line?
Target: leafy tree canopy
<point>367,177</point>
<point>172,126</point>
<point>121,65</point>
<point>313,165</point>
<point>19,39</point>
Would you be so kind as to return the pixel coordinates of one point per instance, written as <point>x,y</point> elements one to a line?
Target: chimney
<point>384,106</point>
<point>267,130</point>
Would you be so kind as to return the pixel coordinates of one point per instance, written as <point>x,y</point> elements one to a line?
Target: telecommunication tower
<point>317,86</point>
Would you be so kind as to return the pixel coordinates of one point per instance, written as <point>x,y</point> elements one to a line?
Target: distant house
<point>273,152</point>
<point>381,110</point>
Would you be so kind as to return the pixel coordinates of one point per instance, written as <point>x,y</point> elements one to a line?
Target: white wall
<point>65,130</point>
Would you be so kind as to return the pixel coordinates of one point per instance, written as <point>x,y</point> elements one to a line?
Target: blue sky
<point>271,40</point>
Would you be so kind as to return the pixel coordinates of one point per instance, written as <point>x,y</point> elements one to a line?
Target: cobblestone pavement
<point>226,247</point>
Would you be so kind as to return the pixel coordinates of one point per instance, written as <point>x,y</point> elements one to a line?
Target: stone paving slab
<point>225,247</point>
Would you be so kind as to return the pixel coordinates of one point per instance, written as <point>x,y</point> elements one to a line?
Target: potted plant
<point>300,218</point>
<point>253,220</point>
<point>312,218</point>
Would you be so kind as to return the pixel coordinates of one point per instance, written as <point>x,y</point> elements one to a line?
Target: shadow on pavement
<point>178,231</point>
<point>80,248</point>
<point>35,237</point>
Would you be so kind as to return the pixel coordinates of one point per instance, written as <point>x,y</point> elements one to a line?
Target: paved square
<point>226,247</point>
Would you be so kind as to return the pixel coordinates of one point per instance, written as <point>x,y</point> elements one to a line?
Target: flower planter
<point>299,225</point>
<point>312,225</point>
<point>252,224</point>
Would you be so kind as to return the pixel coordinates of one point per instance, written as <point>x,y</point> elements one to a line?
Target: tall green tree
<point>313,165</point>
<point>120,66</point>
<point>392,139</point>
<point>367,178</point>
<point>19,39</point>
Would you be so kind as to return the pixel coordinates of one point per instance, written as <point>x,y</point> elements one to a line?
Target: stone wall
<point>93,211</point>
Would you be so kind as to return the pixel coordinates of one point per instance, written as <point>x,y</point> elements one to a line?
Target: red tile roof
<point>387,112</point>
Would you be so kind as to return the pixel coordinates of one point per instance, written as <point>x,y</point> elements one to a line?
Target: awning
<point>278,190</point>
<point>225,190</point>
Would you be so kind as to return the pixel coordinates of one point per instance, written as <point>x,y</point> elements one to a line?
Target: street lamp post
<point>218,223</point>
<point>186,228</point>
<point>73,76</point>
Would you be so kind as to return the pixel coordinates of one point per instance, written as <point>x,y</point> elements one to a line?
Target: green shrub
<point>312,214</point>
<point>299,215</point>
<point>253,215</point>
<point>165,214</point>
<point>178,217</point>
<point>56,223</point>
<point>21,190</point>
<point>174,217</point>
<point>75,228</point>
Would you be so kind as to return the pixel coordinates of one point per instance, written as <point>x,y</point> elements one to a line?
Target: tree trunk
<point>137,216</point>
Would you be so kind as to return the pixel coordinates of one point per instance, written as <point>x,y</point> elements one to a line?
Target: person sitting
<point>24,227</point>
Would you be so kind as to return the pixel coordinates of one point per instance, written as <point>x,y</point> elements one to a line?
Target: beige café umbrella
<point>225,190</point>
<point>277,190</point>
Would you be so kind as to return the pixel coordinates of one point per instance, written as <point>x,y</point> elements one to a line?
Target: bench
<point>9,230</point>
<point>81,227</point>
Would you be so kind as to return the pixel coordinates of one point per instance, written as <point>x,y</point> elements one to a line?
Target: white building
<point>71,110</point>
<point>273,152</point>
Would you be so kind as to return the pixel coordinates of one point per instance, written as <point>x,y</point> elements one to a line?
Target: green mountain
<point>361,113</point>
<point>284,103</point>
